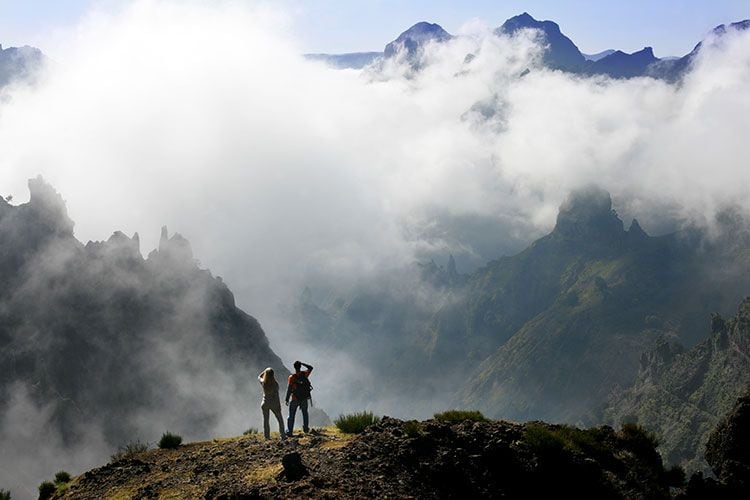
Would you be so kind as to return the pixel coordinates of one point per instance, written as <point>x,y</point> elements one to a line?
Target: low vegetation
<point>412,428</point>
<point>62,477</point>
<point>4,495</point>
<point>170,441</point>
<point>129,451</point>
<point>566,437</point>
<point>354,423</point>
<point>252,431</point>
<point>457,416</point>
<point>46,490</point>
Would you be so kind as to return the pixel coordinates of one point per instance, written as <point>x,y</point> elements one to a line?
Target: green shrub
<point>46,490</point>
<point>457,416</point>
<point>250,432</point>
<point>62,477</point>
<point>542,438</point>
<point>559,437</point>
<point>354,423</point>
<point>4,495</point>
<point>129,451</point>
<point>675,476</point>
<point>170,441</point>
<point>638,438</point>
<point>412,428</point>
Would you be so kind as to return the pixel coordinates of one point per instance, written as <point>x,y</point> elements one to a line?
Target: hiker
<point>299,389</point>
<point>270,401</point>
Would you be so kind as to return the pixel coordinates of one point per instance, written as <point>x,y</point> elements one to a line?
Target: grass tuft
<point>170,441</point>
<point>62,477</point>
<point>354,423</point>
<point>458,416</point>
<point>412,428</point>
<point>129,450</point>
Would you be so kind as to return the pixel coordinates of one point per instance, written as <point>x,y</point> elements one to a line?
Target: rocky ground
<point>393,459</point>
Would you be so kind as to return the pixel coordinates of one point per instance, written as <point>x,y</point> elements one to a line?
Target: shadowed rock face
<point>108,341</point>
<point>728,447</point>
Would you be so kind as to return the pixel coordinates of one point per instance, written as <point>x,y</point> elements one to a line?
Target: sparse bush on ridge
<point>129,451</point>
<point>637,437</point>
<point>46,490</point>
<point>457,416</point>
<point>250,432</point>
<point>4,495</point>
<point>170,441</point>
<point>354,423</point>
<point>412,428</point>
<point>62,477</point>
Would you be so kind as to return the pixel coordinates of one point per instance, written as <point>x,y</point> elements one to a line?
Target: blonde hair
<point>268,377</point>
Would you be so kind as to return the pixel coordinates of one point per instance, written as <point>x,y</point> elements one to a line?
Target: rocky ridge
<point>395,458</point>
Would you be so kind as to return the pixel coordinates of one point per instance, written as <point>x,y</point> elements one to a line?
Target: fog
<point>207,119</point>
<point>283,172</point>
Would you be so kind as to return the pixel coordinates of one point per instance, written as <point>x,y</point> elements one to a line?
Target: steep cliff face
<point>103,342</point>
<point>681,396</point>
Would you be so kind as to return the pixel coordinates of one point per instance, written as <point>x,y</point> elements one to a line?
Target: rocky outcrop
<point>682,395</point>
<point>397,459</point>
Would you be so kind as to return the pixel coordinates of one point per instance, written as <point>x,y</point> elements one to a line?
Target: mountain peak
<point>525,20</point>
<point>560,53</point>
<point>587,213</point>
<point>739,26</point>
<point>415,37</point>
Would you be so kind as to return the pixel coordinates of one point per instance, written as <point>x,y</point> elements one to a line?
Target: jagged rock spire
<point>49,206</point>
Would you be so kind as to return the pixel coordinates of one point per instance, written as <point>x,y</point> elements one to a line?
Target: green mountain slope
<point>596,296</point>
<point>548,333</point>
<point>681,396</point>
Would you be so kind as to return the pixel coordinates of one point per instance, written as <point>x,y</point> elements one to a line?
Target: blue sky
<point>672,27</point>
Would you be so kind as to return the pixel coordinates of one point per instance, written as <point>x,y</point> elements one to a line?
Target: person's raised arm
<point>261,377</point>
<point>309,367</point>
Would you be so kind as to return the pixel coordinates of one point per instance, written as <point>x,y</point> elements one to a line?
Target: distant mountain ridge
<point>561,52</point>
<point>111,345</point>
